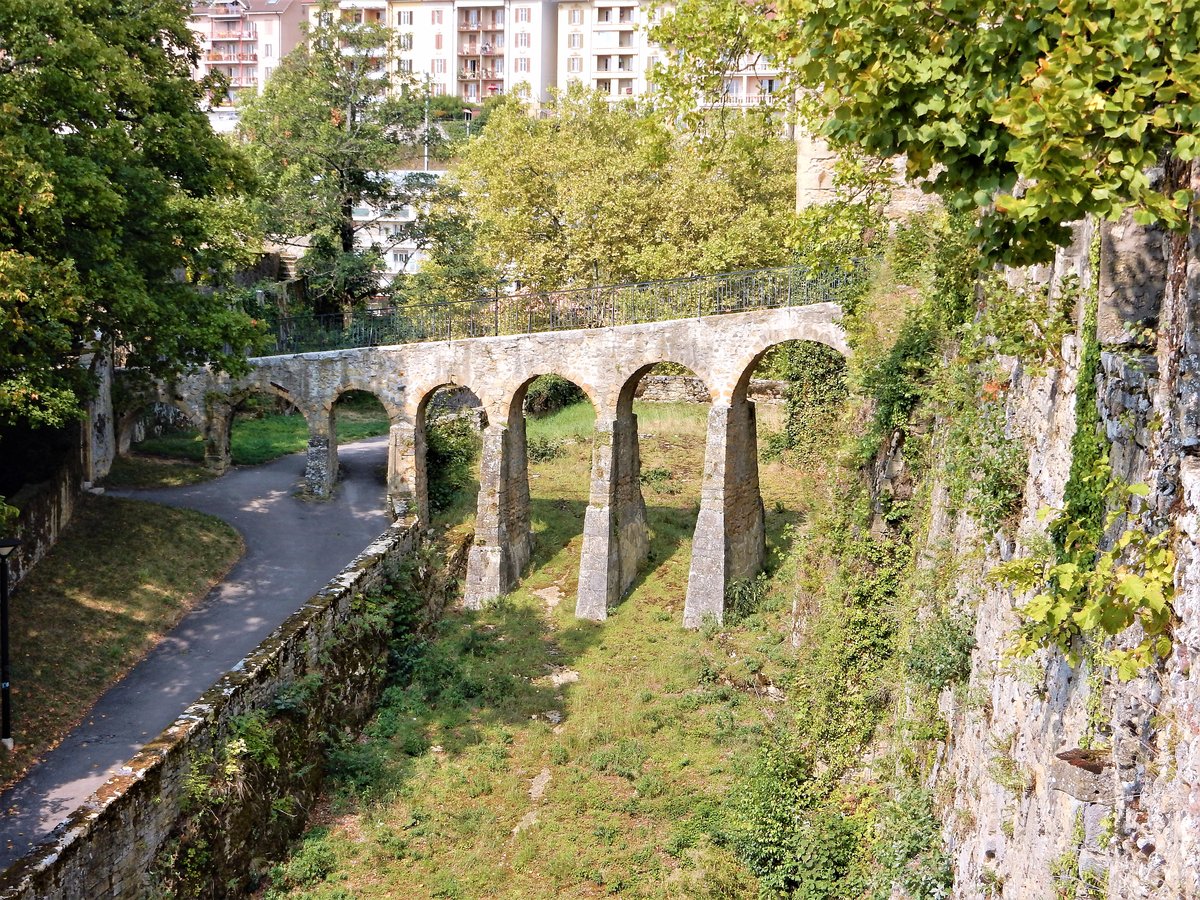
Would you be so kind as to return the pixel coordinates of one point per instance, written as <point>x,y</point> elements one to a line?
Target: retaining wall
<point>165,823</point>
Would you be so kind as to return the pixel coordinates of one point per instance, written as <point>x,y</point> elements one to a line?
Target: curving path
<point>293,547</point>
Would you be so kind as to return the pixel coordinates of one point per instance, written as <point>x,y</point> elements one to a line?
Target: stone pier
<point>730,538</point>
<point>321,463</point>
<point>615,539</point>
<point>408,485</point>
<point>217,421</point>
<point>503,540</point>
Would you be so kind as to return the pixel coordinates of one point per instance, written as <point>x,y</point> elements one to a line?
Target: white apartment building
<point>604,44</point>
<point>244,40</point>
<point>475,49</point>
<point>384,228</point>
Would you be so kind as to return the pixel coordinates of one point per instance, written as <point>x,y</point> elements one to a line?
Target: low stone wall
<point>684,389</point>
<point>174,821</point>
<point>46,509</point>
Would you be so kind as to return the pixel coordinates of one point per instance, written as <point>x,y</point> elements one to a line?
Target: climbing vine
<point>1087,594</point>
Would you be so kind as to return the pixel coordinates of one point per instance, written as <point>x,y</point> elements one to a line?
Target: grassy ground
<point>536,756</point>
<point>94,606</point>
<point>256,438</point>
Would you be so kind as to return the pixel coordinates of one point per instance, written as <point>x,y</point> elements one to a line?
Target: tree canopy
<point>331,123</point>
<point>594,192</point>
<point>119,208</point>
<point>1031,114</point>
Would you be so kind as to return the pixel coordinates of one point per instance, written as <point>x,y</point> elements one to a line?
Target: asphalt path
<point>293,547</point>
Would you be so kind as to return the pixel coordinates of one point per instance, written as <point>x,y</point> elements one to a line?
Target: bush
<point>940,654</point>
<point>550,393</point>
<point>451,446</point>
<point>543,449</point>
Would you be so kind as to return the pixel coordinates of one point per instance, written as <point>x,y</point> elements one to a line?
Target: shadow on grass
<point>462,687</point>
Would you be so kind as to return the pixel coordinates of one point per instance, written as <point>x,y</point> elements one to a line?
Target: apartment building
<point>604,44</point>
<point>476,49</point>
<point>244,40</point>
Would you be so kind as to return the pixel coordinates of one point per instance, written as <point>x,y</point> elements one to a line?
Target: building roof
<point>250,6</point>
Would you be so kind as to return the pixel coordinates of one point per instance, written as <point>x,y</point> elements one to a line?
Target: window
<point>439,66</point>
<point>602,64</point>
<point>439,87</point>
<point>406,41</point>
<point>404,17</point>
<point>437,42</point>
<point>498,18</point>
<point>523,14</point>
<point>267,73</point>
<point>435,17</point>
<point>625,86</point>
<point>575,17</point>
<point>574,64</point>
<point>268,50</point>
<point>574,40</point>
<point>604,14</point>
<point>406,66</point>
<point>733,86</point>
<point>604,85</point>
<point>521,64</point>
<point>625,15</point>
<point>767,85</point>
<point>522,39</point>
<point>400,258</point>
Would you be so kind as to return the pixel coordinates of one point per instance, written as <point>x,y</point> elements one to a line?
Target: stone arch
<point>746,364</point>
<point>130,422</point>
<point>503,533</point>
<point>616,540</point>
<point>408,476</point>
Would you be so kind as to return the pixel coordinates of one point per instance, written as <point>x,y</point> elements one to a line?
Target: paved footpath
<point>293,548</point>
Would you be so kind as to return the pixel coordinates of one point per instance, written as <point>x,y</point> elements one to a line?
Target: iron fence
<point>595,307</point>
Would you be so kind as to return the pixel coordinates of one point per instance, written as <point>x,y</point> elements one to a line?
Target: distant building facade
<point>244,40</point>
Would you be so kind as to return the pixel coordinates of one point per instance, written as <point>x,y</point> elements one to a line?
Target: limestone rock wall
<point>1021,820</point>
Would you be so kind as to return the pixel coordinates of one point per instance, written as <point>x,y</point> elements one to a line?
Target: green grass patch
<point>640,750</point>
<point>258,438</point>
<point>94,606</point>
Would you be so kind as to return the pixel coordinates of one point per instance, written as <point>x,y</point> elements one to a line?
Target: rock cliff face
<point>1065,782</point>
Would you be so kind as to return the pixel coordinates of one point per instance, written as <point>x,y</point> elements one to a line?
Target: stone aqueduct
<point>607,363</point>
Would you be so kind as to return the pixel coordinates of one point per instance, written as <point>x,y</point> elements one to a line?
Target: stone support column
<point>730,538</point>
<point>503,540</point>
<point>408,486</point>
<point>321,467</point>
<point>615,539</point>
<point>218,420</point>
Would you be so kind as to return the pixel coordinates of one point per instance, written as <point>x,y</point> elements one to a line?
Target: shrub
<point>451,446</point>
<point>543,449</point>
<point>550,393</point>
<point>940,653</point>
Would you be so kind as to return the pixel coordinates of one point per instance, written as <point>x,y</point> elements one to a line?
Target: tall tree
<point>1030,114</point>
<point>119,209</point>
<point>331,123</point>
<point>593,192</point>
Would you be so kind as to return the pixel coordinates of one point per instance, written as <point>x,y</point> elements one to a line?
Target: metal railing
<point>597,307</point>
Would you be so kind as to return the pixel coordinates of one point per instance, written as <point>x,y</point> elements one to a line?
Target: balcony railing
<point>597,307</point>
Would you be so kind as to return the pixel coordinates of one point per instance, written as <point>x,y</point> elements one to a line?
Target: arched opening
<point>158,445</point>
<point>449,421</point>
<point>552,453</point>
<point>350,444</point>
<point>560,422</point>
<point>797,390</point>
<point>264,426</point>
<point>658,441</point>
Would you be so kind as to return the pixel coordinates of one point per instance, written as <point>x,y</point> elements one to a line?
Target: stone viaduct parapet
<point>607,363</point>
